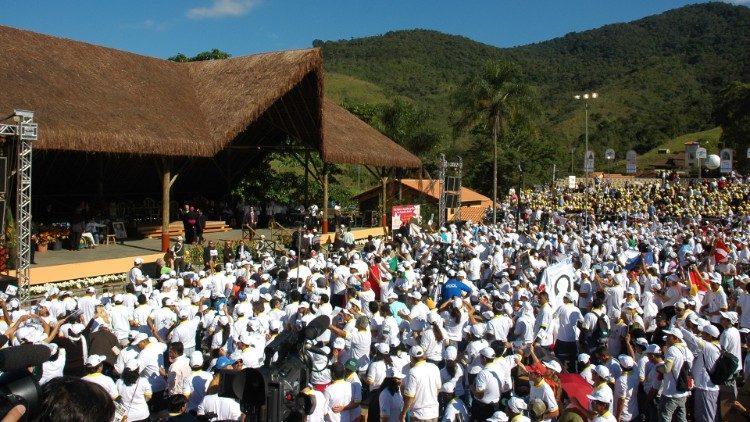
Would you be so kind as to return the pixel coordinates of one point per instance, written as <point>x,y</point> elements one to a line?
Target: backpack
<point>724,367</point>
<point>601,330</point>
<point>684,380</point>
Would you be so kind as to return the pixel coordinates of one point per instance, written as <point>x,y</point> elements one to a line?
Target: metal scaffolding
<point>24,131</point>
<point>444,167</point>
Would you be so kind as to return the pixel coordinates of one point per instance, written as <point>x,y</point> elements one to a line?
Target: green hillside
<point>656,77</point>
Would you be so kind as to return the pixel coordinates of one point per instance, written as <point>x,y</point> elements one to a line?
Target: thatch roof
<point>94,99</point>
<point>352,141</point>
<point>91,98</point>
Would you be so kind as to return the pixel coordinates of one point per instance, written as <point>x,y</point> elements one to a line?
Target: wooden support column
<point>325,199</point>
<point>384,217</point>
<point>307,180</point>
<point>166,185</point>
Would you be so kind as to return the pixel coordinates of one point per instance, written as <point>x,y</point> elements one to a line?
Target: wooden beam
<point>166,185</point>
<point>325,199</point>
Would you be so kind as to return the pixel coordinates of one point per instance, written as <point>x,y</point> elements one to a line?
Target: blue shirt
<point>396,307</point>
<point>453,288</point>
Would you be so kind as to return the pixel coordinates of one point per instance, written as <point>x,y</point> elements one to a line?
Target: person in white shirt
<point>151,364</point>
<point>135,392</point>
<point>55,365</point>
<point>626,390</point>
<point>87,304</point>
<point>421,388</point>
<point>318,413</point>
<point>338,394</point>
<point>196,384</point>
<point>185,331</point>
<point>486,388</point>
<point>94,366</point>
<point>672,401</point>
<point>455,409</point>
<point>706,350</point>
<point>600,402</point>
<point>539,389</point>
<point>121,317</point>
<point>390,400</point>
<point>568,316</point>
<point>225,408</point>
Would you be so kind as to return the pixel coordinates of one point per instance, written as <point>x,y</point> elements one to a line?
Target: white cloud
<point>223,8</point>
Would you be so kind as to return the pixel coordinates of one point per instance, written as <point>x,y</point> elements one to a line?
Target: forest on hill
<point>657,78</point>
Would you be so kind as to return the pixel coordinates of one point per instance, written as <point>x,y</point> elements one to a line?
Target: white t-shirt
<point>626,390</point>
<point>743,302</point>
<point>676,354</point>
<point>224,407</point>
<point>337,394</point>
<point>391,405</point>
<point>488,382</point>
<point>195,386</point>
<point>184,333</point>
<point>454,408</point>
<point>133,397</point>
<point>105,381</point>
<point>568,316</point>
<point>422,383</point>
<point>543,392</point>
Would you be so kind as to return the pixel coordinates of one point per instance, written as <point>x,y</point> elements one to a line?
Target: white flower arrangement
<point>80,283</point>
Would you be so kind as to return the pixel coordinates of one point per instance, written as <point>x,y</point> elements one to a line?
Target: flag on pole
<point>695,279</point>
<point>557,280</point>
<point>631,259</point>
<point>721,252</point>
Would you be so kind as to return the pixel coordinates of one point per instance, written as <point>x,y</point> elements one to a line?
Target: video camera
<point>17,385</point>
<point>272,392</point>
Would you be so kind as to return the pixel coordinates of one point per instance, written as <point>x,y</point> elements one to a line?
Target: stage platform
<point>54,266</point>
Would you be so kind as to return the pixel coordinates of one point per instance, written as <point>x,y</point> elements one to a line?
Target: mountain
<point>656,77</point>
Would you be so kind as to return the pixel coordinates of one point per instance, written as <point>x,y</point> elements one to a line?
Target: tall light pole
<point>587,166</point>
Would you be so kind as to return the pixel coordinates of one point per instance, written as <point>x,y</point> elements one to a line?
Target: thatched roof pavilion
<point>95,100</point>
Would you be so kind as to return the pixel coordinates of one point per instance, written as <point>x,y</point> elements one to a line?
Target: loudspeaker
<point>452,184</point>
<point>451,200</point>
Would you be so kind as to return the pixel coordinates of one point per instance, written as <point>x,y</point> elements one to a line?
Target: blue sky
<point>163,28</point>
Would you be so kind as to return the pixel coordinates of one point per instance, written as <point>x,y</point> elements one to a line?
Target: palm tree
<point>493,99</point>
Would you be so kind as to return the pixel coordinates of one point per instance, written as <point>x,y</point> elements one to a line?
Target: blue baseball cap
<point>223,362</point>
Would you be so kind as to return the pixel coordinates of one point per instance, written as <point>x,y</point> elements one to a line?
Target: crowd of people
<point>707,198</point>
<point>458,324</point>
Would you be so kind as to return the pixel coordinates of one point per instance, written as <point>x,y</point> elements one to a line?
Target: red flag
<point>721,252</point>
<point>696,281</point>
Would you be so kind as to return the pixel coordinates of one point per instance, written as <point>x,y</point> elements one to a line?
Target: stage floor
<point>63,265</point>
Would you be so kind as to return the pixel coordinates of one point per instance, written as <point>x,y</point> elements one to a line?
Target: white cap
<point>95,360</point>
<point>416,351</point>
<point>603,395</point>
<point>674,332</point>
<point>653,349</point>
<point>450,353</point>
<point>184,314</point>
<point>517,405</point>
<point>132,365</point>
<point>196,358</point>
<point>626,361</point>
<point>553,365</point>
<point>274,325</point>
<point>394,373</point>
<point>138,261</point>
<point>339,343</point>
<point>711,330</point>
<point>584,358</point>
<point>448,387</point>
<point>487,352</point>
<point>602,371</point>
<point>383,348</point>
<point>415,295</point>
<point>461,273</point>
<point>731,316</point>
<point>139,338</point>
<point>498,416</point>
<point>119,298</point>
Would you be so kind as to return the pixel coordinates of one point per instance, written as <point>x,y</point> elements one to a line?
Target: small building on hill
<point>423,191</point>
